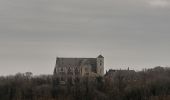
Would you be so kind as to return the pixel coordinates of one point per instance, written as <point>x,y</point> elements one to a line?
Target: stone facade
<point>71,68</point>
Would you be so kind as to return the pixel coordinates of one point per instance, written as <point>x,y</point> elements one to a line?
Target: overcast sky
<point>128,33</point>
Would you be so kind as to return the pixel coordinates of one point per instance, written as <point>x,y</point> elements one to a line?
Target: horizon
<point>105,71</point>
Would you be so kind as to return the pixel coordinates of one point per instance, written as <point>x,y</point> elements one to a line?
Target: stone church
<point>71,68</point>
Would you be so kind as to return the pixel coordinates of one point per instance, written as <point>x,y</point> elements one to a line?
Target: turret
<point>100,65</point>
<point>56,67</point>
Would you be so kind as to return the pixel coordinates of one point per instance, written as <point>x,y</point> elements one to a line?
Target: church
<point>71,68</point>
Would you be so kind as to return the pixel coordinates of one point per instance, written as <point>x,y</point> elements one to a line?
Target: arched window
<point>69,72</point>
<point>62,72</point>
<point>76,71</point>
<point>100,62</point>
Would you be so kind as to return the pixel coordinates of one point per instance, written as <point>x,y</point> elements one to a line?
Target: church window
<point>62,71</point>
<point>70,71</point>
<point>100,62</point>
<point>76,71</point>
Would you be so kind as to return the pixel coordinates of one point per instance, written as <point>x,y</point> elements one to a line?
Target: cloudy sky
<point>129,33</point>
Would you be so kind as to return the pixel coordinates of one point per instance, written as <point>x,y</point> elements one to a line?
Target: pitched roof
<point>77,62</point>
<point>100,56</point>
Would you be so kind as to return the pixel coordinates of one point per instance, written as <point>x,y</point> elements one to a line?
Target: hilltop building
<point>70,68</point>
<point>123,74</point>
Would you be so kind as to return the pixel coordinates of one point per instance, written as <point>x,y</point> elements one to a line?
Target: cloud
<point>159,3</point>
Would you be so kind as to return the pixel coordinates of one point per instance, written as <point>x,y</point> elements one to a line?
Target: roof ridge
<point>73,58</point>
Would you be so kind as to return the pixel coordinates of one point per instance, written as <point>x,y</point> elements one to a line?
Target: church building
<point>71,68</point>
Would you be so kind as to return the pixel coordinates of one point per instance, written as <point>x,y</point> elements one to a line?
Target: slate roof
<point>77,62</point>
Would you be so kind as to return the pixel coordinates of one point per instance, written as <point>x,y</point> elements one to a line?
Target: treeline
<point>150,84</point>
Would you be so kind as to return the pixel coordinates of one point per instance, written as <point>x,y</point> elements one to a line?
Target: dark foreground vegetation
<point>150,84</point>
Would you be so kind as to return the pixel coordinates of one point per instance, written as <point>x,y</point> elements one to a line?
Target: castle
<point>71,68</point>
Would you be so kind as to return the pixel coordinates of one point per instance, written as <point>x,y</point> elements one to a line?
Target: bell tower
<point>100,65</point>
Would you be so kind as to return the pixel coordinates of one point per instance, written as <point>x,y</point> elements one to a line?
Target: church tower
<point>100,65</point>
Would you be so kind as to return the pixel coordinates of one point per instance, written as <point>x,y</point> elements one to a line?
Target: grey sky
<point>129,33</point>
